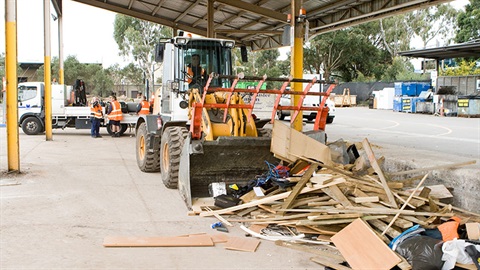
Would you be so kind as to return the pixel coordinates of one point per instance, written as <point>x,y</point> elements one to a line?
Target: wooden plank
<point>471,162</point>
<point>366,199</point>
<point>298,187</point>
<point>242,244</point>
<point>219,217</point>
<point>473,230</point>
<point>323,217</point>
<point>362,248</point>
<point>381,226</point>
<point>330,263</point>
<point>337,195</point>
<point>287,143</point>
<point>437,191</point>
<point>270,199</point>
<point>378,170</point>
<point>336,221</point>
<point>202,240</point>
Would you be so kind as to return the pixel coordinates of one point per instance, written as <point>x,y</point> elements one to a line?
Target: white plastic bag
<point>453,252</point>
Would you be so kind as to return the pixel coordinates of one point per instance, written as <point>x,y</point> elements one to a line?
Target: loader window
<point>212,56</point>
<point>26,92</point>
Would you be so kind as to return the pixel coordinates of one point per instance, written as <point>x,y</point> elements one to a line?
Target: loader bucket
<point>233,160</point>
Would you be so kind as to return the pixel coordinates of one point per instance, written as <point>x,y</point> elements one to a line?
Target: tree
<point>137,38</point>
<point>468,23</point>
<point>433,22</point>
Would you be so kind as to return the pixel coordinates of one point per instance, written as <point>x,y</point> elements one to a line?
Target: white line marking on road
<point>395,124</point>
<point>446,133</point>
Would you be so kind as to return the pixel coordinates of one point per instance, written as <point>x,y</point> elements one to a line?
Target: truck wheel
<point>170,150</point>
<point>329,120</point>
<point>146,161</point>
<point>280,115</point>
<point>109,129</point>
<point>32,126</point>
<point>123,128</point>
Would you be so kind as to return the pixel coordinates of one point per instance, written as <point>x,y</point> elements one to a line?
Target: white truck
<point>31,110</point>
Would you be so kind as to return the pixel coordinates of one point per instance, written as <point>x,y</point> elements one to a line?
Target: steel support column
<point>13,148</point>
<point>47,70</point>
<point>297,58</point>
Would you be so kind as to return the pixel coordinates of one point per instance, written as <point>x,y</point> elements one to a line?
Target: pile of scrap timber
<point>352,210</point>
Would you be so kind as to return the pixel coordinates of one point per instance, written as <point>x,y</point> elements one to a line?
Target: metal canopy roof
<point>258,24</point>
<point>470,49</point>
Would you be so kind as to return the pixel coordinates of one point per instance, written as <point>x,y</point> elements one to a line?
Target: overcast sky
<point>88,32</point>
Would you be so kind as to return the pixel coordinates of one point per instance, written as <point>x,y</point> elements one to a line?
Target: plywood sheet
<point>220,238</point>
<point>202,240</point>
<point>362,248</point>
<point>242,244</point>
<point>289,144</point>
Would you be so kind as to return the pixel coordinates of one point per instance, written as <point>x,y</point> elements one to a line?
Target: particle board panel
<point>362,248</point>
<point>201,240</point>
<point>242,244</point>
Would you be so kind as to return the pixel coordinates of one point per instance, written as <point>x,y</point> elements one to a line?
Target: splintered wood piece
<point>242,244</point>
<point>362,248</point>
<point>201,240</point>
<point>378,170</point>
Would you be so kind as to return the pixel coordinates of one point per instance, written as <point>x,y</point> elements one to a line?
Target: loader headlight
<point>174,86</point>
<point>183,104</point>
<point>229,44</point>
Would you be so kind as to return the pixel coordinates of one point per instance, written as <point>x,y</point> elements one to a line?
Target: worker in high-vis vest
<point>195,72</point>
<point>144,106</point>
<point>96,115</point>
<point>115,116</point>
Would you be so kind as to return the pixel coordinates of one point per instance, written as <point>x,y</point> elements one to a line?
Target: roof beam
<point>157,8</point>
<point>256,9</point>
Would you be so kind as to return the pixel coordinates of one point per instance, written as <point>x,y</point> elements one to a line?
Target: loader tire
<point>147,161</point>
<point>170,151</point>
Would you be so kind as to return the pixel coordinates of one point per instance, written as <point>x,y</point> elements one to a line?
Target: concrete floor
<point>75,190</point>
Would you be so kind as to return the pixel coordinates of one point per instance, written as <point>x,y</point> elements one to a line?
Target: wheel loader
<point>201,131</point>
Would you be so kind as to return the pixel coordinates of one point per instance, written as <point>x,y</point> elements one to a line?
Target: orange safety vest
<point>96,111</point>
<point>116,113</point>
<point>190,73</point>
<point>449,229</point>
<point>145,108</point>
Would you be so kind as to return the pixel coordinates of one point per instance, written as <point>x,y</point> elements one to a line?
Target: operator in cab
<point>195,72</point>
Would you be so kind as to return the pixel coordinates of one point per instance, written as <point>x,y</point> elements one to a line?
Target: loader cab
<point>212,56</point>
<point>176,54</point>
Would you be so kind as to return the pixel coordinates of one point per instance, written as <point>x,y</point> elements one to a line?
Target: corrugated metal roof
<point>258,24</point>
<point>469,49</point>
